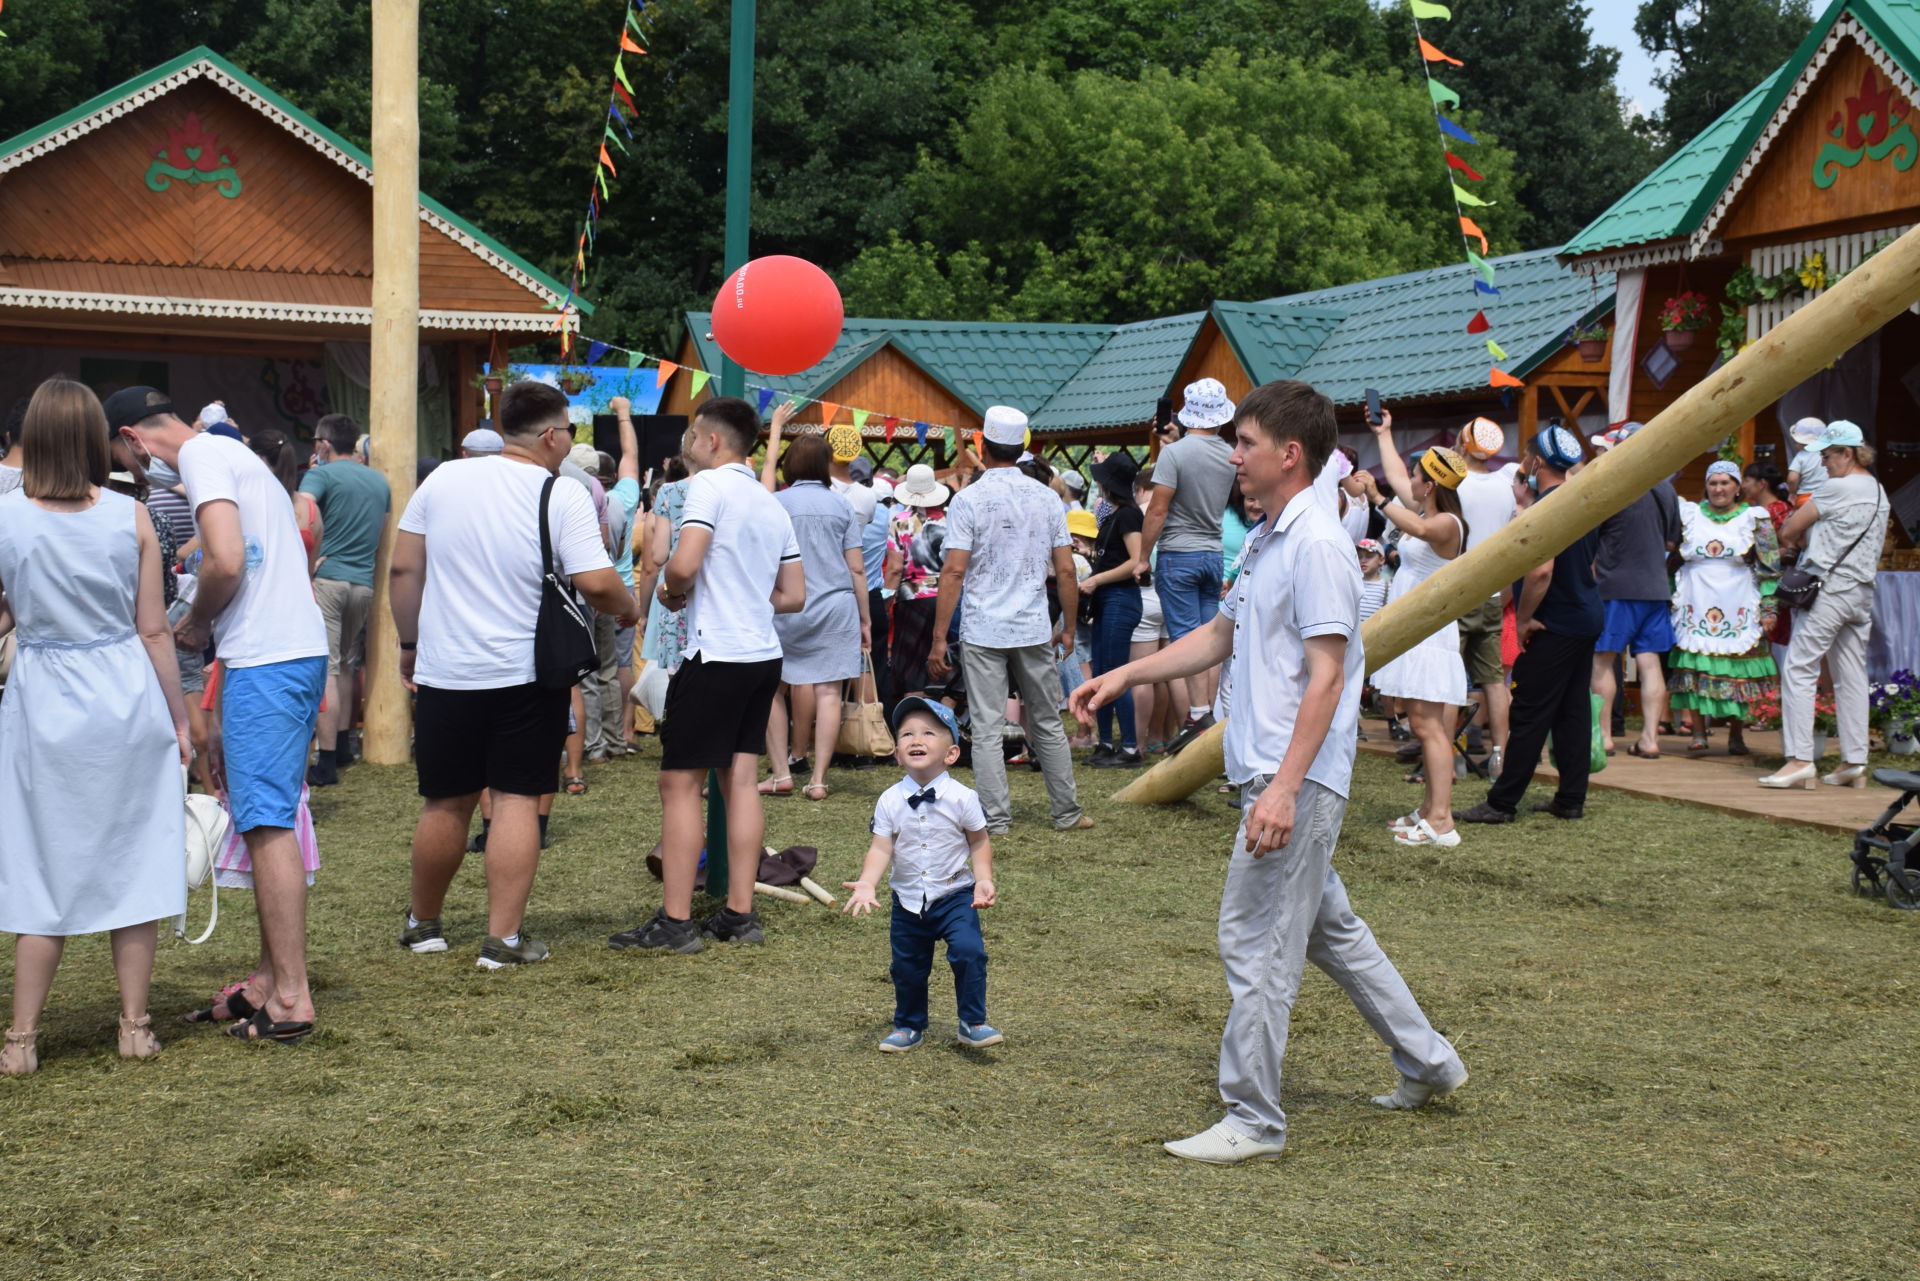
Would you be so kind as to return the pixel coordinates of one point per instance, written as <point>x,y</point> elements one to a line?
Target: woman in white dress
<point>93,732</point>
<point>1430,679</point>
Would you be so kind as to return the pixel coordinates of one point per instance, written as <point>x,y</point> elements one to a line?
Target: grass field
<point>1692,1053</point>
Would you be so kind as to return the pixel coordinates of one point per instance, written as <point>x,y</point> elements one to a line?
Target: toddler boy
<point>930,828</point>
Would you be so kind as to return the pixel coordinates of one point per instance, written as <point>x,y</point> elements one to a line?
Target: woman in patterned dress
<point>1723,609</point>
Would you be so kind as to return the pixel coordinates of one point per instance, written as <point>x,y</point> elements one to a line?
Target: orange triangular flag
<point>979,444</point>
<point>629,45</point>
<point>1499,377</point>
<point>666,371</point>
<point>827,410</point>
<point>1471,228</point>
<point>1432,54</point>
<point>607,160</point>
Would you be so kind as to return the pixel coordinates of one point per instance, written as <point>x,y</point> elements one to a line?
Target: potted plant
<point>1683,316</point>
<point>1591,339</point>
<point>1895,706</point>
<point>575,381</point>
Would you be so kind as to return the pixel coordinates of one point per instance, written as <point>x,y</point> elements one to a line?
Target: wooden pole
<point>1807,341</point>
<point>393,410</point>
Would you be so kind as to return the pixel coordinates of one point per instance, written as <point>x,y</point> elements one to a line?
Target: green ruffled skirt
<point>1718,685</point>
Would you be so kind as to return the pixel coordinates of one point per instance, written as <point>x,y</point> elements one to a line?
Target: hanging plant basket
<point>1680,339</point>
<point>575,381</point>
<point>1592,350</point>
<point>494,384</point>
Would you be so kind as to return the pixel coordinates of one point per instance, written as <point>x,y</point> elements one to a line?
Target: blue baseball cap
<point>1840,434</point>
<point>941,712</point>
<point>1557,447</point>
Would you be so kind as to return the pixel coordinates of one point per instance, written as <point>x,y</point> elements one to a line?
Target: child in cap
<point>1805,471</point>
<point>1373,586</point>
<point>931,828</point>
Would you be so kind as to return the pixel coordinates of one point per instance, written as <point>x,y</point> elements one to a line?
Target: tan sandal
<point>811,788</point>
<point>21,1054</point>
<point>137,1040</point>
<point>772,786</point>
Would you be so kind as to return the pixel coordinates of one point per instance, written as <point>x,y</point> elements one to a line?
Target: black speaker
<point>659,437</point>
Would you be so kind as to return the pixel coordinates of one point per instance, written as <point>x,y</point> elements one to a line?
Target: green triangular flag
<point>1425,9</point>
<point>1495,348</point>
<point>1441,94</point>
<point>1481,265</point>
<point>1466,197</point>
<point>620,74</point>
<point>860,417</point>
<point>953,442</point>
<point>615,140</point>
<point>633,360</point>
<point>700,377</point>
<point>633,21</point>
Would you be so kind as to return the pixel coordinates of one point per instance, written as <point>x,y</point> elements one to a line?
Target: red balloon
<point>778,315</point>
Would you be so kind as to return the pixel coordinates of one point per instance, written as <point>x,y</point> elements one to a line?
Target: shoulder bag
<point>863,722</point>
<point>1799,588</point>
<point>563,652</point>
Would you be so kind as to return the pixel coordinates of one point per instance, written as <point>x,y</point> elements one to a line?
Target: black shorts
<point>509,740</point>
<point>716,711</point>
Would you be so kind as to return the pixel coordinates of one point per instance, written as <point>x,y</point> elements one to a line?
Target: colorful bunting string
<point>1442,97</point>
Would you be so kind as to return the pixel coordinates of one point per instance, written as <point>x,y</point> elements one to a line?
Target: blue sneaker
<point>979,1036</point>
<point>900,1040</point>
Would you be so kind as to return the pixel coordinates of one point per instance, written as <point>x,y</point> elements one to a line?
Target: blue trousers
<point>1116,614</point>
<point>954,919</point>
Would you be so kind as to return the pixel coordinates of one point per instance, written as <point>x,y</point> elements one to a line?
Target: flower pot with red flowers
<point>1682,317</point>
<point>1591,340</point>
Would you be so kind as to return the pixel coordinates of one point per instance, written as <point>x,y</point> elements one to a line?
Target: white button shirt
<point>1010,523</point>
<point>1299,578</point>
<point>930,850</point>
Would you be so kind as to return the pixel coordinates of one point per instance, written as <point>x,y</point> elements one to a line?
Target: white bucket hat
<point>1206,407</point>
<point>918,488</point>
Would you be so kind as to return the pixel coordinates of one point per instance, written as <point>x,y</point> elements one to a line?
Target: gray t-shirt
<point>1850,507</point>
<point>1632,561</point>
<point>1199,471</point>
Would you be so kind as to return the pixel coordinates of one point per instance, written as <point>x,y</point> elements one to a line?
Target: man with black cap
<point>1558,616</point>
<point>1005,533</point>
<point>256,604</point>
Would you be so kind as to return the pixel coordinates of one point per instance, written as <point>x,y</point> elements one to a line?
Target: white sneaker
<point>1413,1094</point>
<point>1223,1145</point>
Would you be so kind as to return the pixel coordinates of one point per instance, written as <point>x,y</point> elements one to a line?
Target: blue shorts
<point>1189,587</point>
<point>1643,626</point>
<point>267,717</point>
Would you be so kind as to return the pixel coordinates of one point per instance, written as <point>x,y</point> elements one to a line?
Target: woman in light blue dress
<point>93,732</point>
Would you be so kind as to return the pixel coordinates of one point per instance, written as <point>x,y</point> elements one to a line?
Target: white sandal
<point>1422,833</point>
<point>1405,823</point>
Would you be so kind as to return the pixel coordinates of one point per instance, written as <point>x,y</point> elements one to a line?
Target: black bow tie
<point>924,796</point>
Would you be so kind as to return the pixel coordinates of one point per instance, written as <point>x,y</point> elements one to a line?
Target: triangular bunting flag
<point>601,178</point>
<point>766,398</point>
<point>920,431</point>
<point>633,360</point>
<point>1496,350</point>
<point>1432,54</point>
<point>700,377</point>
<point>1427,9</point>
<point>953,443</point>
<point>1440,94</point>
<point>1453,130</point>
<point>629,45</point>
<point>1479,324</point>
<point>1497,377</point>
<point>607,160</point>
<point>1471,228</point>
<point>891,424</point>
<point>1466,197</point>
<point>1455,162</point>
<point>615,140</point>
<point>1481,265</point>
<point>633,21</point>
<point>626,100</point>
<point>1482,287</point>
<point>595,350</point>
<point>860,417</point>
<point>828,410</point>
<point>666,371</point>
<point>620,74</point>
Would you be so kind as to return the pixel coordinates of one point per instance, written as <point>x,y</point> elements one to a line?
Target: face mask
<point>160,474</point>
<point>1533,481</point>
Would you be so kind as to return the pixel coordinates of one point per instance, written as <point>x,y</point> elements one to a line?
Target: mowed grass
<point>1693,1053</point>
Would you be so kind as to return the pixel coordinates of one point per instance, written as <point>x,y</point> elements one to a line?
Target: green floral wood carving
<point>1871,128</point>
<point>193,156</point>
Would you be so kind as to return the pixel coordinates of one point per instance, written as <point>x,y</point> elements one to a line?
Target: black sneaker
<point>1484,812</point>
<point>1555,808</point>
<point>323,776</point>
<point>424,937</point>
<point>1101,756</point>
<point>660,933</point>
<point>1191,729</point>
<point>1125,758</point>
<point>498,954</point>
<point>729,926</point>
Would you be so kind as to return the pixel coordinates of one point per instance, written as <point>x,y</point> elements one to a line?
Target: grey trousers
<point>991,673</point>
<point>601,690</point>
<point>1836,629</point>
<point>1278,913</point>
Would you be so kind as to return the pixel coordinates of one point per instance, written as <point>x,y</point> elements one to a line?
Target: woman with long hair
<point>276,449</point>
<point>93,731</point>
<point>1114,593</point>
<point>1430,679</point>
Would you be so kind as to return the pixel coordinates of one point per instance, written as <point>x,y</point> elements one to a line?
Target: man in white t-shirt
<point>466,586</point>
<point>737,565</point>
<point>255,602</point>
<point>1486,498</point>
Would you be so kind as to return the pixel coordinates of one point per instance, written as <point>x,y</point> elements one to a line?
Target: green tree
<point>1721,49</point>
<point>1128,37</point>
<point>1535,75</point>
<point>1099,198</point>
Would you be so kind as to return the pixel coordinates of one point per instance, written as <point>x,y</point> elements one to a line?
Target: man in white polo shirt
<point>1005,533</point>
<point>1290,632</point>
<point>737,565</point>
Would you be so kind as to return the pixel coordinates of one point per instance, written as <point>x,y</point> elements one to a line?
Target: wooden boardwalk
<point>1715,781</point>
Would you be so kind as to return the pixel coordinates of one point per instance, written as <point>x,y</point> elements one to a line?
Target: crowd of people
<point>187,597</point>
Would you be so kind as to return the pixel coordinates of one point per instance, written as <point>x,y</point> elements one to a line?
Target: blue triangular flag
<point>920,432</point>
<point>1485,288</point>
<point>595,350</point>
<point>766,398</point>
<point>1453,130</point>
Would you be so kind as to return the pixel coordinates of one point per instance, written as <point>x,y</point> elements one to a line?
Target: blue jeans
<point>1189,587</point>
<point>1116,613</point>
<point>954,919</point>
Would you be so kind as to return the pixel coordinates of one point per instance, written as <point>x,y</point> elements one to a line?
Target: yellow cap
<point>1081,524</point>
<point>844,440</point>
<point>1443,467</point>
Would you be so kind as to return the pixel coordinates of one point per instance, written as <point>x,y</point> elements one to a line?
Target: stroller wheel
<point>1866,876</point>
<point>1903,890</point>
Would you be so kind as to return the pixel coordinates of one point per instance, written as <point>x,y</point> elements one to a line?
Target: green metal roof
<point>981,364</point>
<point>1676,198</point>
<point>1273,340</point>
<point>1407,335</point>
<point>201,53</point>
<point>1119,385</point>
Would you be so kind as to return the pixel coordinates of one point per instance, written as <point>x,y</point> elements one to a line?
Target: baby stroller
<point>1886,856</point>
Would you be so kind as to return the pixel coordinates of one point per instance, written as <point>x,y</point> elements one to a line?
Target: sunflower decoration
<point>1813,272</point>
